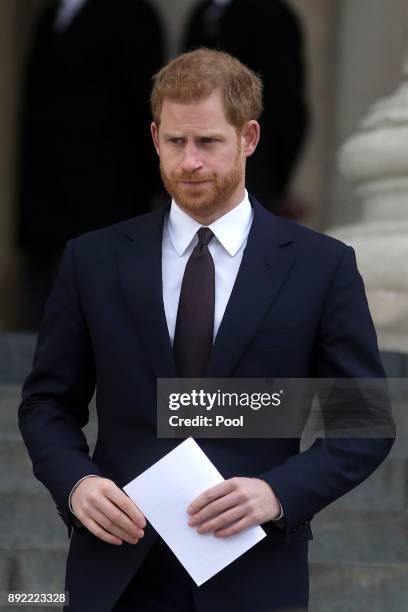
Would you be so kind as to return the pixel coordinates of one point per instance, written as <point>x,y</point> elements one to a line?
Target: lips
<point>194,182</point>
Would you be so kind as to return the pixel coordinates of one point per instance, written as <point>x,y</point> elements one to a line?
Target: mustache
<point>194,178</point>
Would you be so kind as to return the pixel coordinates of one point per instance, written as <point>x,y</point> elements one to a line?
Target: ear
<point>154,130</point>
<point>250,137</point>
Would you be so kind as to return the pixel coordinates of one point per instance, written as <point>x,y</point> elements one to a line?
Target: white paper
<point>163,493</point>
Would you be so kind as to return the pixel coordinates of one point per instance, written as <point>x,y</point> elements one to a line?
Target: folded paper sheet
<point>163,493</point>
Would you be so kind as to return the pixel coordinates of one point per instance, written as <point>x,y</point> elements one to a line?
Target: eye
<point>175,141</point>
<point>207,140</point>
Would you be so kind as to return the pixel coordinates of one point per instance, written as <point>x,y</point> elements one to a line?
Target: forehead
<point>202,114</point>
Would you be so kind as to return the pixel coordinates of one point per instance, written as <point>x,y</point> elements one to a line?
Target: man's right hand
<point>107,511</point>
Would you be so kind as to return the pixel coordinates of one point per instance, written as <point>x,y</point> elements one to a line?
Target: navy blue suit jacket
<point>297,309</point>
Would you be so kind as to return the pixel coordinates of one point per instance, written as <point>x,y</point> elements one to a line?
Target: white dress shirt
<point>227,247</point>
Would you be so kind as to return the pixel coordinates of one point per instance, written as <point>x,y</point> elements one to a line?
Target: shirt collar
<point>231,230</point>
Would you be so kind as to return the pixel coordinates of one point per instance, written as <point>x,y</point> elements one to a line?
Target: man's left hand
<point>232,506</point>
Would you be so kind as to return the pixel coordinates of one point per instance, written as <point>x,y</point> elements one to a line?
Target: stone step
<point>30,521</point>
<point>9,402</point>
<point>5,570</point>
<point>400,415</point>
<point>334,587</point>
<point>16,355</point>
<point>386,489</point>
<point>358,587</point>
<point>363,536</point>
<point>400,448</point>
<point>10,397</point>
<point>33,571</point>
<point>18,475</point>
<point>395,364</point>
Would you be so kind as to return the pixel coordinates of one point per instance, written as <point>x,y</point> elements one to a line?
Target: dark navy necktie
<point>193,336</point>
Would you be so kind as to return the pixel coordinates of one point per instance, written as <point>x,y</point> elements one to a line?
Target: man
<point>212,286</point>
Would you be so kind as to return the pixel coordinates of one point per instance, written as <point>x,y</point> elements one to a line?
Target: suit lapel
<point>265,265</point>
<point>140,271</point>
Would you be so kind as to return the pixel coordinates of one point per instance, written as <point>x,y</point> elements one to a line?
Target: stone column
<point>375,159</point>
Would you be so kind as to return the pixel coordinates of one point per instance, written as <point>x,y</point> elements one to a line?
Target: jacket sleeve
<point>346,348</point>
<point>56,394</point>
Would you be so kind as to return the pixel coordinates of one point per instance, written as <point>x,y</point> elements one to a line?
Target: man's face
<point>202,156</point>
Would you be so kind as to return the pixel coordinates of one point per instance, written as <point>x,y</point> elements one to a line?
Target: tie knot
<point>204,236</point>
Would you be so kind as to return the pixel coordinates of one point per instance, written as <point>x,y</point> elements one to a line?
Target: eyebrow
<point>215,135</point>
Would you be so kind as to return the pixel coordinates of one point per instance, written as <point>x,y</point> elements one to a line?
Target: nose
<point>191,158</point>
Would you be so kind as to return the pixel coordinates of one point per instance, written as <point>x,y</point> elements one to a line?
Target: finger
<point>117,517</point>
<point>101,533</point>
<point>214,509</point>
<point>235,528</point>
<point>132,510</point>
<point>118,497</point>
<point>210,495</point>
<point>111,527</point>
<point>223,521</point>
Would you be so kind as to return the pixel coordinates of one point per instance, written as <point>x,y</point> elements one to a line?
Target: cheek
<point>222,163</point>
<point>168,162</point>
<point>232,157</point>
